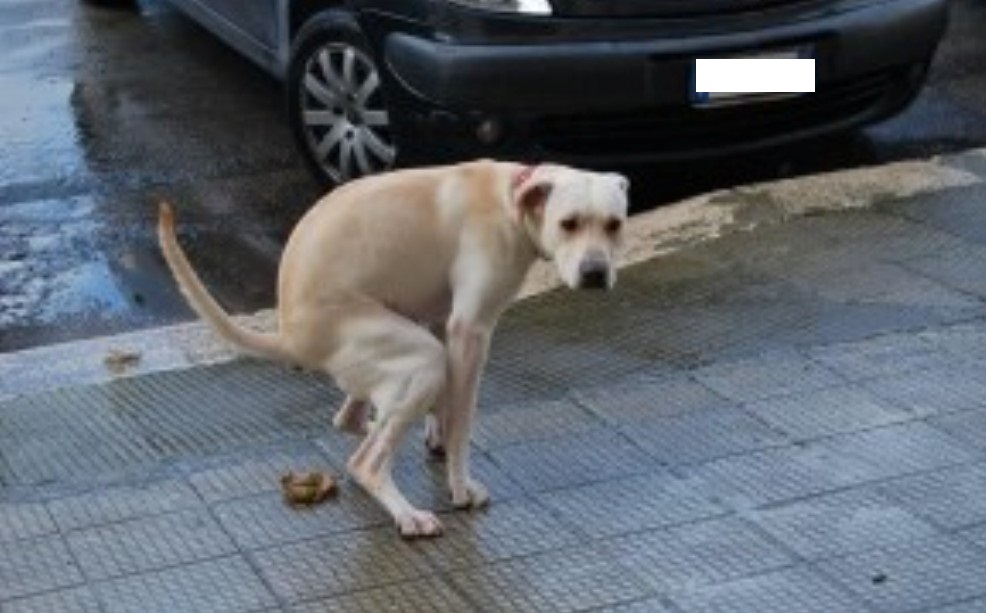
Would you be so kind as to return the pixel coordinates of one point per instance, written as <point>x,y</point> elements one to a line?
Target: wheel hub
<point>345,121</point>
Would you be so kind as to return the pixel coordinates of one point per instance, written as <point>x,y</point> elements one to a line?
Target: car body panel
<point>605,78</point>
<point>258,29</point>
<point>654,71</point>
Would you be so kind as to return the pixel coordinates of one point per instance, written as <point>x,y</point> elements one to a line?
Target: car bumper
<point>631,99</point>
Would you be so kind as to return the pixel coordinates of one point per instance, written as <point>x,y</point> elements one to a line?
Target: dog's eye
<point>614,225</point>
<point>570,224</point>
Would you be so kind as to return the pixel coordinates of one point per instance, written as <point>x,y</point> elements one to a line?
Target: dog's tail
<point>253,343</point>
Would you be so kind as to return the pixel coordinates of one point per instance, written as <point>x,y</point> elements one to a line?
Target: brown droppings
<point>307,488</point>
<point>119,361</point>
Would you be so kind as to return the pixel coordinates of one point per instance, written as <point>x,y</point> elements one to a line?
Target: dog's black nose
<point>593,275</point>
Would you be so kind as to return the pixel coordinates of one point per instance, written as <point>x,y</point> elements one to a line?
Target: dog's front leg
<point>467,346</point>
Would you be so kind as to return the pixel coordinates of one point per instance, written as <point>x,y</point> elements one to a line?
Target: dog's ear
<point>531,198</point>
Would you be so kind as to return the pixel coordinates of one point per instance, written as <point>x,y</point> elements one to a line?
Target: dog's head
<point>576,219</point>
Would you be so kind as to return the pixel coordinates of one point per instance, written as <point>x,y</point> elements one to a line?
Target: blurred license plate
<point>752,77</point>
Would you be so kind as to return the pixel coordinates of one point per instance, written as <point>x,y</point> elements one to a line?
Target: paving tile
<point>934,391</point>
<point>67,454</point>
<point>825,412</point>
<point>576,579</point>
<point>264,520</point>
<point>924,574</point>
<point>136,423</point>
<point>897,450</point>
<point>873,235</point>
<point>225,585</point>
<point>121,503</point>
<point>727,326</point>
<point>37,565</point>
<point>71,600</point>
<point>827,324</point>
<point>951,498</point>
<point>845,469</point>
<point>775,373</point>
<point>151,543</point>
<point>857,280</point>
<point>774,248</point>
<point>841,523</point>
<point>975,535</point>
<point>431,594</point>
<point>977,605</point>
<point>245,477</point>
<point>683,557</point>
<point>887,355</point>
<point>649,605</point>
<point>704,435</point>
<point>341,563</point>
<point>630,505</point>
<point>959,269</point>
<point>566,354</point>
<point>425,481</point>
<point>24,520</point>
<point>965,341</point>
<point>503,531</point>
<point>648,399</point>
<point>955,211</point>
<point>784,591</point>
<point>573,460</point>
<point>765,477</point>
<point>539,420</point>
<point>966,426</point>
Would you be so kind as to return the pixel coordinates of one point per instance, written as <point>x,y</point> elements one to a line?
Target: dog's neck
<point>516,184</point>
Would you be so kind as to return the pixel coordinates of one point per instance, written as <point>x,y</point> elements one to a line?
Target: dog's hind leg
<point>352,416</point>
<point>403,369</point>
<point>435,425</point>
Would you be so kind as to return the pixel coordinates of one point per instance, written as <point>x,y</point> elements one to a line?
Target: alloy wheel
<point>345,121</point>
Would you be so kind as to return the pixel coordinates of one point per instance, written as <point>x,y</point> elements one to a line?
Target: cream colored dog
<point>379,261</point>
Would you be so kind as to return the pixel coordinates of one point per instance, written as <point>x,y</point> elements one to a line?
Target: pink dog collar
<point>523,176</point>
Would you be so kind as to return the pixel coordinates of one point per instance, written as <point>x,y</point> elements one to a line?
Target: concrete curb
<point>650,235</point>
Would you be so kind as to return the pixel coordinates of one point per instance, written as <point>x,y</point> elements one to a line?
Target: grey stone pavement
<point>791,419</point>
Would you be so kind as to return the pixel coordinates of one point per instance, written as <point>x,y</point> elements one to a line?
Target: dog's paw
<point>470,495</point>
<point>418,524</point>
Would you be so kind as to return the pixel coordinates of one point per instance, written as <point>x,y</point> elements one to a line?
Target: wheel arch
<point>300,11</point>
<point>293,14</point>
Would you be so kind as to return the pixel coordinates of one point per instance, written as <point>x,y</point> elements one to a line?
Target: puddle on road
<point>91,132</point>
<point>38,130</point>
<point>88,287</point>
<point>50,262</point>
<point>68,270</point>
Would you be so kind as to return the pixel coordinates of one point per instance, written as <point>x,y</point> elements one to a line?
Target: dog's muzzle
<point>594,274</point>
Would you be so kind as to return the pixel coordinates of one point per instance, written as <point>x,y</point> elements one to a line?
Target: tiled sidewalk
<point>789,420</point>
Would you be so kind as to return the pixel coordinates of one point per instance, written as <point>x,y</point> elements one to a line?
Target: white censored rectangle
<point>754,75</point>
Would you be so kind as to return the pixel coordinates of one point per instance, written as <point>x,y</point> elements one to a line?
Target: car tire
<point>336,103</point>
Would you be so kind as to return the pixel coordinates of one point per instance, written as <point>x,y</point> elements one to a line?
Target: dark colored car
<point>373,83</point>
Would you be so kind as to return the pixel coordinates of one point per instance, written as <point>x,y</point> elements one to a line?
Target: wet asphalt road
<point>104,112</point>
